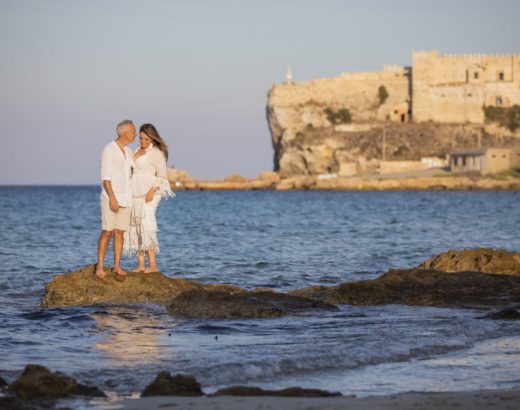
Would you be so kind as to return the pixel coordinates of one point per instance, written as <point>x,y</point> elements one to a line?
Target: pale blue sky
<point>199,70</point>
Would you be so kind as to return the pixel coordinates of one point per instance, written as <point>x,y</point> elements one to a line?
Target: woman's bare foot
<point>151,269</point>
<point>120,272</point>
<point>100,273</point>
<point>139,269</point>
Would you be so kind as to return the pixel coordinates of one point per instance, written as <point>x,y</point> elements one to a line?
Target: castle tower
<point>288,77</point>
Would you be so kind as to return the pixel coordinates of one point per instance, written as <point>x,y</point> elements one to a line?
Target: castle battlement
<point>445,88</point>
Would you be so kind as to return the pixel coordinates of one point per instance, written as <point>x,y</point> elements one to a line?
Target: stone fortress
<point>350,123</point>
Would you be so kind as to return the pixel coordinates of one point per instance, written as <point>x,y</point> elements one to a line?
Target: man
<point>116,195</point>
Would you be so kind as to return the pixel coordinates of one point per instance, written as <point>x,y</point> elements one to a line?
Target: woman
<point>149,185</point>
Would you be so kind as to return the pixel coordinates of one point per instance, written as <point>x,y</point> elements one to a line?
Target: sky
<point>200,71</point>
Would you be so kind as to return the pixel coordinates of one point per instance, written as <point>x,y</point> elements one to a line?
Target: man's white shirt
<point>116,167</point>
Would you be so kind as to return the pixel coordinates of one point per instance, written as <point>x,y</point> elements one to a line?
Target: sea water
<point>280,240</point>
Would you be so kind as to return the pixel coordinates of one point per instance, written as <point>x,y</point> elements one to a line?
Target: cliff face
<point>337,125</point>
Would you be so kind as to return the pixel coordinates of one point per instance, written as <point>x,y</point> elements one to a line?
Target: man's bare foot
<point>100,273</point>
<point>151,269</point>
<point>139,269</point>
<point>120,272</point>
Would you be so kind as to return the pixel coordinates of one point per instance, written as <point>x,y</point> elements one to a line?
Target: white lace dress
<point>148,170</point>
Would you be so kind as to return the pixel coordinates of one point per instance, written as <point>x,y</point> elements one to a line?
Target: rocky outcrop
<point>288,392</point>
<point>82,287</point>
<point>167,385</point>
<point>181,180</point>
<point>37,382</point>
<point>505,314</point>
<point>422,287</point>
<point>494,261</point>
<point>203,303</point>
<point>310,137</point>
<point>480,277</point>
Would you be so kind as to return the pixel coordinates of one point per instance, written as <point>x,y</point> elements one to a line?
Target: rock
<point>178,385</point>
<point>14,403</point>
<point>493,261</point>
<point>3,383</point>
<point>203,303</point>
<point>422,287</point>
<point>269,176</point>
<point>235,178</point>
<point>300,182</point>
<point>505,314</point>
<point>288,392</point>
<point>37,382</point>
<point>82,287</point>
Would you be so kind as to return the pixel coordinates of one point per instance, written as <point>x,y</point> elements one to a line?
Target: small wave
<point>212,329</point>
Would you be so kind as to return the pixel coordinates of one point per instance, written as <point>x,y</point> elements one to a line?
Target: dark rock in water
<point>167,385</point>
<point>505,314</point>
<point>223,305</point>
<point>484,260</point>
<point>14,403</point>
<point>37,382</point>
<point>289,392</point>
<point>82,287</point>
<point>422,287</point>
<point>3,383</point>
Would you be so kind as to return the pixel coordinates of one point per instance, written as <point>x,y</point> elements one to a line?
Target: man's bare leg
<point>104,240</point>
<point>152,263</point>
<point>118,250</point>
<point>140,262</point>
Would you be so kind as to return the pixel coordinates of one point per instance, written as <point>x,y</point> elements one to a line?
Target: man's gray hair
<point>122,124</point>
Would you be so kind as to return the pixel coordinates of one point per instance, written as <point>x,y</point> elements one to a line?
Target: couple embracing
<point>133,184</point>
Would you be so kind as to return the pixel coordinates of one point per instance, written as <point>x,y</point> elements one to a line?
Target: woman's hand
<point>149,195</point>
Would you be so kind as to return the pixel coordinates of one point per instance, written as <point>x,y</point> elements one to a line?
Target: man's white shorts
<point>114,220</point>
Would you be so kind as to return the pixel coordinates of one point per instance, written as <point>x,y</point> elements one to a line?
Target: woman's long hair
<point>157,141</point>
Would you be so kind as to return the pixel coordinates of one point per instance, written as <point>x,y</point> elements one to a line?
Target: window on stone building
<point>498,101</point>
<point>463,161</point>
<point>501,76</point>
<point>475,76</point>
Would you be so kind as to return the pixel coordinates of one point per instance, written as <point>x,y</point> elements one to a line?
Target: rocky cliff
<point>337,125</point>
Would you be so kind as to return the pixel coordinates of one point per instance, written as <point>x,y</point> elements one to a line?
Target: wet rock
<point>484,260</point>
<point>82,287</point>
<point>204,303</point>
<point>167,385</point>
<point>422,287</point>
<point>37,382</point>
<point>3,383</point>
<point>505,314</point>
<point>288,392</point>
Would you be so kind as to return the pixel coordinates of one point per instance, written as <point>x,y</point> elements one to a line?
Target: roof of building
<point>475,151</point>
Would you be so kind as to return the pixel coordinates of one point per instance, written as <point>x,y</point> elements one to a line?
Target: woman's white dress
<point>148,170</point>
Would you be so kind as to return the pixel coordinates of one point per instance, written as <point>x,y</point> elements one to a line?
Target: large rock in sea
<point>288,392</point>
<point>204,303</point>
<point>167,385</point>
<point>37,382</point>
<point>494,261</point>
<point>422,287</point>
<point>82,288</point>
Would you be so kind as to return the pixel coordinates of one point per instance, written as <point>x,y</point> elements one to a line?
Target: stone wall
<point>449,91</point>
<point>454,88</point>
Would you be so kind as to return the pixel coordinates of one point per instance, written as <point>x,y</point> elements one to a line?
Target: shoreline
<point>272,181</point>
<point>471,400</point>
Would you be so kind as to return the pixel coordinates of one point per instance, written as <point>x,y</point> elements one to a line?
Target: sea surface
<point>281,240</point>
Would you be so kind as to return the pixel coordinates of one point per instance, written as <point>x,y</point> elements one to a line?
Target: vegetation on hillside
<point>382,94</point>
<point>507,117</point>
<point>342,116</point>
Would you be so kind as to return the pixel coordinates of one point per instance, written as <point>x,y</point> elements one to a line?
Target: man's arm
<point>106,177</point>
<point>114,205</point>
